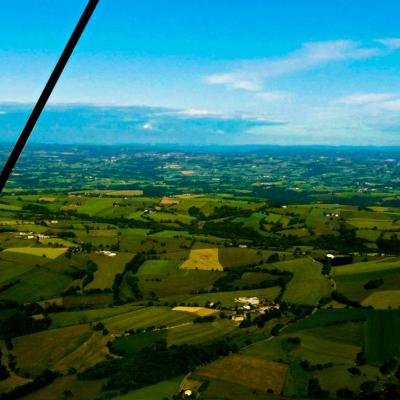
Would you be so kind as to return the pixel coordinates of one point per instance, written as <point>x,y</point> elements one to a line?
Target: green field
<point>308,285</point>
<point>46,252</point>
<point>157,267</point>
<point>159,391</point>
<point>381,339</point>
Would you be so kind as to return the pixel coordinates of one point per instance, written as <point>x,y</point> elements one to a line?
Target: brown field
<point>187,172</point>
<point>250,372</point>
<point>168,201</point>
<point>206,259</point>
<point>200,311</point>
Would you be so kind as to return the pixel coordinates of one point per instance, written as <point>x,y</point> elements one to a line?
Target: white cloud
<point>148,126</point>
<point>391,43</point>
<point>365,98</point>
<point>251,75</point>
<point>273,96</point>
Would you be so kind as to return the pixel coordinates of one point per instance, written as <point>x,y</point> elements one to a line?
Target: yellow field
<point>167,201</point>
<point>200,311</point>
<point>250,372</point>
<point>206,259</point>
<point>48,252</point>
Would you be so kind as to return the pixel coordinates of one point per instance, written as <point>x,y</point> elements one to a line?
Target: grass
<point>161,390</point>
<point>43,350</point>
<point>46,252</point>
<point>146,317</point>
<point>381,342</point>
<point>157,267</point>
<point>203,259</point>
<point>308,285</point>
<point>235,368</point>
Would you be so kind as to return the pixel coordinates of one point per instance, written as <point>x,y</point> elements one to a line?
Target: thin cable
<point>48,89</point>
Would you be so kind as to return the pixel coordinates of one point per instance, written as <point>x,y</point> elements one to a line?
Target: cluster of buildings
<point>107,253</point>
<point>251,305</point>
<point>32,235</point>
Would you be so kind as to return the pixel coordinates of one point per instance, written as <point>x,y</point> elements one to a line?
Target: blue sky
<point>222,71</point>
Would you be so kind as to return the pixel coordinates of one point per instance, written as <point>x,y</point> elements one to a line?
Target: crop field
<point>42,350</point>
<point>200,311</point>
<point>265,374</point>
<point>306,273</point>
<point>46,252</point>
<point>380,342</point>
<point>199,333</point>
<point>147,317</point>
<point>203,259</point>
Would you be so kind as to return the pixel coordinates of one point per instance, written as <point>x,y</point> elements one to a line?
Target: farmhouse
<point>106,253</point>
<point>254,301</point>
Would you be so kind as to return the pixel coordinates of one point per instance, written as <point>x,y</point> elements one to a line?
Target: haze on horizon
<point>206,72</point>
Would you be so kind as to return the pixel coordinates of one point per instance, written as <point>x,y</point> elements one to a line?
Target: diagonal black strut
<point>48,89</point>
